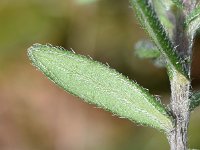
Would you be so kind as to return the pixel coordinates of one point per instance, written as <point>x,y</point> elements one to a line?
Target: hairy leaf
<point>193,14</point>
<point>98,84</point>
<point>164,13</point>
<point>178,3</point>
<point>194,100</point>
<point>192,22</point>
<point>153,26</point>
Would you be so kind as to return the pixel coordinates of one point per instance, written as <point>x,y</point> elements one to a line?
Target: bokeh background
<point>37,115</point>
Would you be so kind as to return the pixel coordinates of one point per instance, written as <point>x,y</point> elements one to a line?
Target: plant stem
<point>180,87</point>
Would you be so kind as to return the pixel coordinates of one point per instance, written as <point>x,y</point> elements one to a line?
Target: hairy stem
<point>181,41</point>
<point>180,87</point>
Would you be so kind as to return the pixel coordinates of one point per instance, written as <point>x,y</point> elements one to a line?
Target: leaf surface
<point>192,22</point>
<point>164,12</point>
<point>98,84</point>
<point>178,3</point>
<point>194,100</point>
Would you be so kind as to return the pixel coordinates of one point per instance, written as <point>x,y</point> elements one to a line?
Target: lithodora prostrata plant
<point>172,26</point>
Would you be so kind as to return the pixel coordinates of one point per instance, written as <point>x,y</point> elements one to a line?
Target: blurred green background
<point>37,115</point>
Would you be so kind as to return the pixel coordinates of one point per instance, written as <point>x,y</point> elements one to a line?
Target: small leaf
<point>153,26</point>
<point>194,100</point>
<point>98,84</point>
<point>146,49</point>
<point>192,22</point>
<point>178,3</point>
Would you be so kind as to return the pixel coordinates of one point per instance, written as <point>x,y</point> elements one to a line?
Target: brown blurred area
<point>37,115</point>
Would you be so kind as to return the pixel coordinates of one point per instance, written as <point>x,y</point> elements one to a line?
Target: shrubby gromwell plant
<point>172,26</point>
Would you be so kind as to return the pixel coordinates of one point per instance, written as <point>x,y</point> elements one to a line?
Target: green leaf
<point>98,84</point>
<point>192,22</point>
<point>193,15</point>
<point>146,49</point>
<point>178,3</point>
<point>164,12</point>
<point>194,100</point>
<point>153,26</point>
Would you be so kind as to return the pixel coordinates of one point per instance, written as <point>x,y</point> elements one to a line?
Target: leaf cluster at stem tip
<point>149,20</point>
